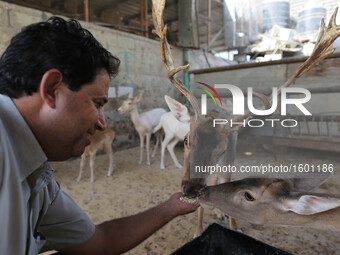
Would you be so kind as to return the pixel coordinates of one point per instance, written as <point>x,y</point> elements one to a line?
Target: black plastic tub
<point>219,240</point>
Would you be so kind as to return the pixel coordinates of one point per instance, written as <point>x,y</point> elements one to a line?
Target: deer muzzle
<point>191,189</point>
<point>204,194</point>
<point>215,196</point>
<point>203,198</point>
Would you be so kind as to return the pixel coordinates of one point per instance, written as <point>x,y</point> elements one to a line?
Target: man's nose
<point>101,122</point>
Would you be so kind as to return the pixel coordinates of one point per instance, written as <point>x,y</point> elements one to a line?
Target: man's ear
<point>50,82</point>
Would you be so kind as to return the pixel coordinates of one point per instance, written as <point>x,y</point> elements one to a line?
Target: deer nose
<point>120,110</point>
<point>203,193</point>
<point>191,190</point>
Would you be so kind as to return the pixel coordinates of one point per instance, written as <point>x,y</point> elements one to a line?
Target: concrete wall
<point>141,67</point>
<point>200,59</point>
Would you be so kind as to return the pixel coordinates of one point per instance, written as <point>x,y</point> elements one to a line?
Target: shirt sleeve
<point>65,224</point>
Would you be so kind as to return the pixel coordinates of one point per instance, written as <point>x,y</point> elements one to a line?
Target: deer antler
<point>160,30</point>
<point>323,47</point>
<point>322,50</point>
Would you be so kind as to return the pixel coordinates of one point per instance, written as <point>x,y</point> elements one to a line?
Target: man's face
<point>80,114</point>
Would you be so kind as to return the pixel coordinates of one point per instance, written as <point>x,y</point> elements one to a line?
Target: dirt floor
<point>134,188</point>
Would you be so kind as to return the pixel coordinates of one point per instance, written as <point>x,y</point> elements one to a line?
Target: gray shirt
<point>34,212</point>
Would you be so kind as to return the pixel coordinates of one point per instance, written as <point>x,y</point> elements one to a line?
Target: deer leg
<point>199,226</point>
<point>170,148</point>
<point>109,152</point>
<point>83,157</point>
<point>148,136</point>
<point>158,135</point>
<point>92,157</point>
<point>164,144</point>
<point>232,223</point>
<point>141,139</point>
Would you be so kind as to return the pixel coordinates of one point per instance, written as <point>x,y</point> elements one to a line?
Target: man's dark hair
<point>56,43</point>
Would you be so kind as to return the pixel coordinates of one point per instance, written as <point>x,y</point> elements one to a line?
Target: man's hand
<point>178,207</point>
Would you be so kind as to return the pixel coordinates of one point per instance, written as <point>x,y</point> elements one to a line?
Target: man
<point>54,81</point>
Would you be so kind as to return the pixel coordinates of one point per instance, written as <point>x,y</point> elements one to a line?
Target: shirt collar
<point>27,149</point>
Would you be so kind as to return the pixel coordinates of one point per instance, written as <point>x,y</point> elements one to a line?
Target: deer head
<point>206,145</point>
<point>277,201</point>
<point>129,104</point>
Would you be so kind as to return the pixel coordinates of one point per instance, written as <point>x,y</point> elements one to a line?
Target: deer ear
<point>138,97</point>
<point>178,110</point>
<point>308,182</point>
<point>311,204</point>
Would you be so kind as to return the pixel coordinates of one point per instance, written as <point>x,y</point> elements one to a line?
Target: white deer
<point>176,124</point>
<point>101,140</point>
<point>144,123</point>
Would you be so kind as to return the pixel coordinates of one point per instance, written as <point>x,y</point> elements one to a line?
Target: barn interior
<point>247,43</point>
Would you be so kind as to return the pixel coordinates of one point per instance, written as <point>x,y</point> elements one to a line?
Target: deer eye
<point>248,196</point>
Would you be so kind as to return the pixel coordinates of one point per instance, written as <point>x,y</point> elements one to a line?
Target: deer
<point>176,125</point>
<point>101,140</point>
<point>276,201</point>
<point>144,123</point>
<point>219,142</point>
<point>223,153</point>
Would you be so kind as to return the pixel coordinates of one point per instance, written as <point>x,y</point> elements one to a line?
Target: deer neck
<point>135,117</point>
<point>326,220</point>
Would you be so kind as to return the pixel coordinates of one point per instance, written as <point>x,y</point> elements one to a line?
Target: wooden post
<point>146,18</point>
<point>76,7</point>
<point>209,25</point>
<point>86,10</point>
<point>142,16</point>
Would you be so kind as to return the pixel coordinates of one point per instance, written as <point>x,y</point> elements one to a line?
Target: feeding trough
<point>217,239</point>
